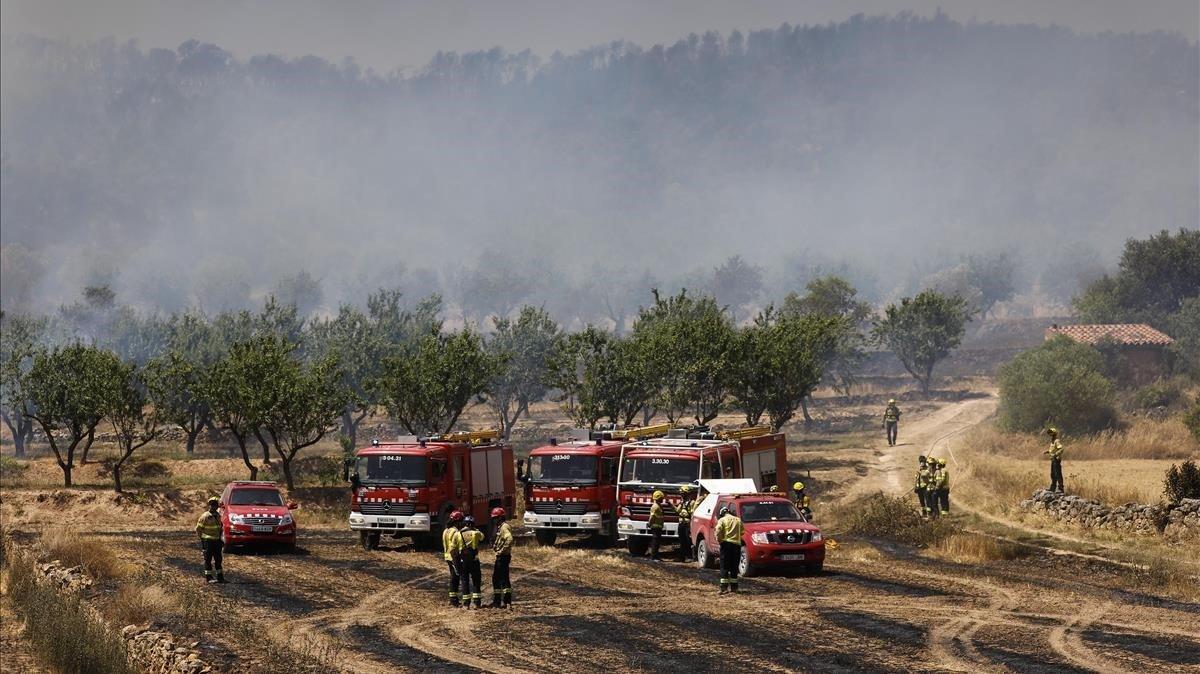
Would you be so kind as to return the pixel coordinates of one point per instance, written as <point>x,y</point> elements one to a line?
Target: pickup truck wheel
<point>745,568</point>
<point>814,568</point>
<point>638,545</point>
<point>704,559</point>
<point>545,537</point>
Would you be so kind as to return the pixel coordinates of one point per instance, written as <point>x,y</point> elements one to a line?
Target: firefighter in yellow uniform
<point>471,573</point>
<point>801,501</point>
<point>655,523</point>
<point>452,546</point>
<point>728,533</point>
<point>924,485</point>
<point>687,505</point>
<point>891,419</point>
<point>919,485</point>
<point>941,488</point>
<point>502,545</point>
<point>208,527</point>
<point>1055,451</point>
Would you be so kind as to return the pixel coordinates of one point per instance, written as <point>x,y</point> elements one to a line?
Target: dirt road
<point>876,608</point>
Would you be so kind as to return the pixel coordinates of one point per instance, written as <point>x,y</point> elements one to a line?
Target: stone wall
<point>157,653</point>
<point>149,651</point>
<point>1181,520</point>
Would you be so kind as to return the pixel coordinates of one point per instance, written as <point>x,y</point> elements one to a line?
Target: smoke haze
<point>885,146</point>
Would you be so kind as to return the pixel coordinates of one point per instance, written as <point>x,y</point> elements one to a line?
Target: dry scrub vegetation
<point>1112,467</point>
<point>1144,439</point>
<point>970,548</point>
<point>96,558</point>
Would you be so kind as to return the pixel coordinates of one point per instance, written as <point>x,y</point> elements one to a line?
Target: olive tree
<point>308,400</point>
<point>779,361</point>
<point>923,330</point>
<point>19,339</point>
<point>427,388</point>
<point>133,426</point>
<point>835,297</point>
<point>687,344</point>
<point>524,346</point>
<point>70,390</point>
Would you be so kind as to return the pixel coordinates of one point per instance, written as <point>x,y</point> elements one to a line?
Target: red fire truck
<point>570,487</point>
<point>687,456</point>
<point>409,488</point>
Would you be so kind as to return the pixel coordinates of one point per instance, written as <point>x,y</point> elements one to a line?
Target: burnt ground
<point>578,610</point>
<point>877,607</point>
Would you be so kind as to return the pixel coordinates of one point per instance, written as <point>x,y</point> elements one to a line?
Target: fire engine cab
<point>410,487</point>
<point>687,456</point>
<point>570,487</point>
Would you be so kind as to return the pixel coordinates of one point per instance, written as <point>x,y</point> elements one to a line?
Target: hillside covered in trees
<point>187,177</point>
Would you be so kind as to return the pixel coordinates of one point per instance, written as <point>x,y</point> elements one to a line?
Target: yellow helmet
<point>657,495</point>
<point>685,489</point>
<point>891,401</point>
<point>799,486</point>
<point>1052,431</point>
<point>214,499</point>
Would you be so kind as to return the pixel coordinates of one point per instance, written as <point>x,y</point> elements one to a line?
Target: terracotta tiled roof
<point>1133,334</point>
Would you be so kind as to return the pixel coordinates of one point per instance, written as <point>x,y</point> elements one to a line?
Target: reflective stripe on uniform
<point>209,526</point>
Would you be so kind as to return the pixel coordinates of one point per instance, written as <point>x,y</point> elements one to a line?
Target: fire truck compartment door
<point>760,465</point>
<point>487,472</point>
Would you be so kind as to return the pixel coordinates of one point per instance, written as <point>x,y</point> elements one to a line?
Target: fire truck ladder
<point>472,437</point>
<point>643,432</point>
<point>743,433</point>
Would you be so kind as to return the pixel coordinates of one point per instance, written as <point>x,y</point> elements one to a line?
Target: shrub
<point>136,605</point>
<point>1162,393</point>
<point>11,469</point>
<point>142,469</point>
<point>324,470</point>
<point>1192,418</point>
<point>970,547</point>
<point>94,556</point>
<point>1182,481</point>
<point>1061,382</point>
<point>60,628</point>
<point>895,518</point>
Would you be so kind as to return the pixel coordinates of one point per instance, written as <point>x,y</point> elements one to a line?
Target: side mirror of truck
<point>346,469</point>
<point>292,505</point>
<point>522,474</point>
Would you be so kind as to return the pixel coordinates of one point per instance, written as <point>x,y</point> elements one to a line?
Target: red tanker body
<point>571,487</point>
<point>410,488</point>
<point>686,457</point>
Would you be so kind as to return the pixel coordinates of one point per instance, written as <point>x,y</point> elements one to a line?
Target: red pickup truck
<point>255,512</point>
<point>776,536</point>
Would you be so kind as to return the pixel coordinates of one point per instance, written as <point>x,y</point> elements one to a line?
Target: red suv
<point>254,512</point>
<point>776,535</point>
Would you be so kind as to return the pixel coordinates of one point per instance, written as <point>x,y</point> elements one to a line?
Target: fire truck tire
<point>745,568</point>
<point>545,537</point>
<point>368,540</point>
<point>638,545</point>
<point>705,559</point>
<point>422,542</point>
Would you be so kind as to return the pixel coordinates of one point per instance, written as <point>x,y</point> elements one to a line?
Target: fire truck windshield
<point>562,469</point>
<point>655,470</point>
<point>391,469</point>
<point>769,511</point>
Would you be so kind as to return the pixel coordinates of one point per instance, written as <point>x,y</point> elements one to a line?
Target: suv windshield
<point>562,468</point>
<point>768,511</point>
<point>659,471</point>
<point>391,469</point>
<point>264,497</point>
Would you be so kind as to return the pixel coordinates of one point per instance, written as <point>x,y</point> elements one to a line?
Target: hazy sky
<point>386,35</point>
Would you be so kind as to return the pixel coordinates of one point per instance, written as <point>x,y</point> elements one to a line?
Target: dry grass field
<point>958,596</point>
